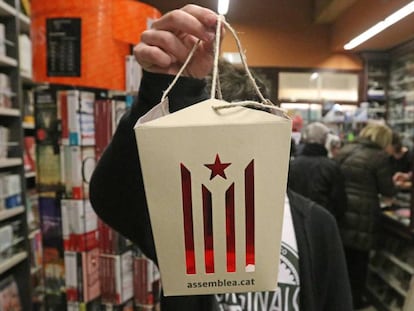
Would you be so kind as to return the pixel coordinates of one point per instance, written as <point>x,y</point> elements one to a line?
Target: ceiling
<point>274,13</point>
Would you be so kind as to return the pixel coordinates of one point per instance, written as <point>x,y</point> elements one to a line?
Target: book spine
<point>76,172</point>
<point>62,106</point>
<point>90,268</point>
<point>71,276</point>
<point>65,210</point>
<point>86,118</point>
<point>73,117</point>
<point>103,125</point>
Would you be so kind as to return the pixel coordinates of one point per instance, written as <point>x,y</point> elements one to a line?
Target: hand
<point>165,47</point>
<point>402,180</point>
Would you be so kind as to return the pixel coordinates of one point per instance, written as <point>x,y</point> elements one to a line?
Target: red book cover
<point>90,273</point>
<point>102,277</point>
<point>103,237</point>
<point>140,281</point>
<point>103,125</point>
<point>29,155</point>
<point>63,115</point>
<point>71,276</point>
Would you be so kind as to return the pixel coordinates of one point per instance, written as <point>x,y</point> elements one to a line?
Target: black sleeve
<point>116,189</point>
<point>338,198</point>
<point>333,288</point>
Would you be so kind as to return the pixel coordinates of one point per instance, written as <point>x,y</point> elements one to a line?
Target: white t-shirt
<point>286,297</point>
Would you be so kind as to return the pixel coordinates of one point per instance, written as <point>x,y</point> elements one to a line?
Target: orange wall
<point>302,46</point>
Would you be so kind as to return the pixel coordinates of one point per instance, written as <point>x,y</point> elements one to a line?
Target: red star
<point>217,168</point>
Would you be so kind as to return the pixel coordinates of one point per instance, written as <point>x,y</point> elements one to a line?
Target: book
<point>77,164</point>
<point>47,124</point>
<point>28,107</point>
<point>133,74</point>
<point>80,117</point>
<point>29,153</point>
<point>36,249</point>
<point>48,167</point>
<point>116,278</point>
<point>32,213</point>
<point>119,107</point>
<point>25,54</point>
<point>82,275</point>
<point>12,190</point>
<point>2,39</point>
<point>6,241</point>
<point>103,125</point>
<point>4,142</point>
<point>110,241</point>
<point>62,111</point>
<point>9,295</point>
<point>26,7</point>
<point>53,251</point>
<point>147,289</point>
<point>79,225</point>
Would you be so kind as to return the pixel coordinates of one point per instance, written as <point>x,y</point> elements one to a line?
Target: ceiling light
<point>223,6</point>
<point>377,28</point>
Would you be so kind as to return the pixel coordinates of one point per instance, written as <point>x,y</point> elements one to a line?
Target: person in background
<point>368,174</point>
<point>333,145</point>
<point>400,156</point>
<point>117,192</point>
<point>314,175</point>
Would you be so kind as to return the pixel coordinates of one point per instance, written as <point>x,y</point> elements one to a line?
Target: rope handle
<point>215,84</point>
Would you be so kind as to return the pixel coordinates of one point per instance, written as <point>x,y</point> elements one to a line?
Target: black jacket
<point>118,197</point>
<point>315,176</point>
<point>367,174</point>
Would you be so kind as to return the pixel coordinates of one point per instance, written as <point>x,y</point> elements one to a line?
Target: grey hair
<point>315,133</point>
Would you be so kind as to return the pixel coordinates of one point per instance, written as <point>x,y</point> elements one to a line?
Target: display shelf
<point>391,269</point>
<point>6,9</point>
<point>12,261</point>
<point>9,213</point>
<point>10,112</point>
<point>11,164</point>
<point>392,282</point>
<point>399,262</point>
<point>8,61</point>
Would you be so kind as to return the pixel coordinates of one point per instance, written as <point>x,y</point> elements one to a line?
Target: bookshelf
<point>389,85</point>
<point>15,250</point>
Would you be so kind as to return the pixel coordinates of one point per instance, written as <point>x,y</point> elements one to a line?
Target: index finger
<point>191,19</point>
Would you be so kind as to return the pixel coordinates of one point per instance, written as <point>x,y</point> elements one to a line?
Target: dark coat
<point>367,174</point>
<point>117,195</point>
<point>315,176</point>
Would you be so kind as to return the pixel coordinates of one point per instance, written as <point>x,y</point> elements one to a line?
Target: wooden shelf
<point>30,175</point>
<point>10,112</point>
<point>24,23</point>
<point>391,281</point>
<point>8,61</point>
<point>6,9</point>
<point>11,212</point>
<point>10,162</point>
<point>399,262</point>
<point>12,261</point>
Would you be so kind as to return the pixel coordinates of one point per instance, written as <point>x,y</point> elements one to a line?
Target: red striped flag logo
<point>218,170</point>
